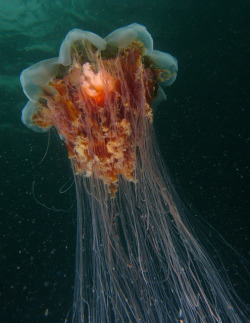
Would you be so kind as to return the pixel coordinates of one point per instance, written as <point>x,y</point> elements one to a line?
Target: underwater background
<point>202,130</point>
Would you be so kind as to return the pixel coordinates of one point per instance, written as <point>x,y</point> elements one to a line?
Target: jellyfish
<point>137,258</point>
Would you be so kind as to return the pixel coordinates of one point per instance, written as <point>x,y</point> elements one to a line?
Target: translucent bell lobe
<point>73,36</point>
<point>166,62</point>
<point>161,96</point>
<point>36,76</point>
<point>123,37</point>
<point>27,112</point>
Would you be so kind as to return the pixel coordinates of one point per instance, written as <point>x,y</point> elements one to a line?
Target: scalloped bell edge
<point>124,36</point>
<point>165,61</point>
<point>37,75</point>
<point>42,72</point>
<point>27,112</point>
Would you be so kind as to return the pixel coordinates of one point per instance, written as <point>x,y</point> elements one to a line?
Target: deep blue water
<point>203,132</point>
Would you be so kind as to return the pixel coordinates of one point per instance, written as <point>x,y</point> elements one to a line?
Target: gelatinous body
<point>96,107</point>
<point>136,258</point>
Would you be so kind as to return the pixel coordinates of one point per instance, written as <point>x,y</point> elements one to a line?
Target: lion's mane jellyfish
<point>136,258</point>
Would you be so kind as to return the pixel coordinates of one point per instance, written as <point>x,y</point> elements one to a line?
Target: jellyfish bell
<point>136,258</point>
<point>87,94</point>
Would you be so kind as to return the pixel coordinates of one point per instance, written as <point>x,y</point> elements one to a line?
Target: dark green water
<point>203,132</point>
